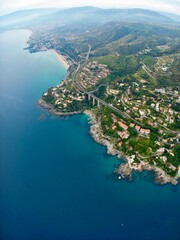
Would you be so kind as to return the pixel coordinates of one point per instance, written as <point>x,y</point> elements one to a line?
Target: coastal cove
<point>55,181</point>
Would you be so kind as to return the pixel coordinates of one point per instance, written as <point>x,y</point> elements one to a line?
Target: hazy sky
<point>162,5</point>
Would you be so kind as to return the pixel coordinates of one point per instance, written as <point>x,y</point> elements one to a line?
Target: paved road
<point>105,85</point>
<point>82,89</point>
<point>87,57</point>
<point>147,70</point>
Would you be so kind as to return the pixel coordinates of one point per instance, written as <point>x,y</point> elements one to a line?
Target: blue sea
<point>56,183</point>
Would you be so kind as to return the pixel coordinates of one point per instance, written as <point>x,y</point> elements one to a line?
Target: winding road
<point>113,108</point>
<point>82,89</point>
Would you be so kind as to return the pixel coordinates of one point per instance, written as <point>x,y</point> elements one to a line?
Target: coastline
<point>51,109</point>
<point>98,136</point>
<point>27,41</point>
<point>125,170</point>
<point>61,58</point>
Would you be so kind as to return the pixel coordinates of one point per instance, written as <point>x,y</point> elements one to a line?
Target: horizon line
<point>102,7</point>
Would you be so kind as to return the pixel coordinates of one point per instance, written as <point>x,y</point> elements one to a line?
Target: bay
<point>55,181</point>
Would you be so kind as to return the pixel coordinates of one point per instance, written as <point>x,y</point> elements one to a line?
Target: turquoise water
<point>55,181</point>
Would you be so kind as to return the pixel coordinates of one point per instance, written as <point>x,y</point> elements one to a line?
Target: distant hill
<point>102,16</point>
<point>85,15</point>
<point>27,13</point>
<point>24,18</point>
<point>174,17</point>
<point>127,38</point>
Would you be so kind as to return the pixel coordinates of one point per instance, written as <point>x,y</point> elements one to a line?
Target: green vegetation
<point>122,65</point>
<point>133,68</point>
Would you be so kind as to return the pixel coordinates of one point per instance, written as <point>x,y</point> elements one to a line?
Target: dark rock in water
<point>42,117</point>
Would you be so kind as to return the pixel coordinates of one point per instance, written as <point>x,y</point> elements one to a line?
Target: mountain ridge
<point>89,13</point>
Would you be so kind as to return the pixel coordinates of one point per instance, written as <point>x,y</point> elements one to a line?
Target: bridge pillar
<point>94,101</point>
<point>98,103</point>
<point>89,97</point>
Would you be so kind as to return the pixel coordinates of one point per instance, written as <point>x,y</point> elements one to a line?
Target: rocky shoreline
<point>125,170</point>
<point>51,109</point>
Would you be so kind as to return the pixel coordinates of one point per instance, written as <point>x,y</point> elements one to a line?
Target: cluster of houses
<point>64,96</point>
<point>124,134</point>
<point>162,114</point>
<point>92,73</point>
<point>140,130</point>
<point>163,63</point>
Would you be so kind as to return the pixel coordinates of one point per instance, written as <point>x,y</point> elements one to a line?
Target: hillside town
<point>148,132</point>
<point>92,74</point>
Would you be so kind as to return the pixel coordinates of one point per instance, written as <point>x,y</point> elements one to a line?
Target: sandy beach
<point>61,58</point>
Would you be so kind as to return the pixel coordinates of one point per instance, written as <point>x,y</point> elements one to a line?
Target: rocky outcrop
<point>125,170</point>
<point>98,136</point>
<point>52,110</point>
